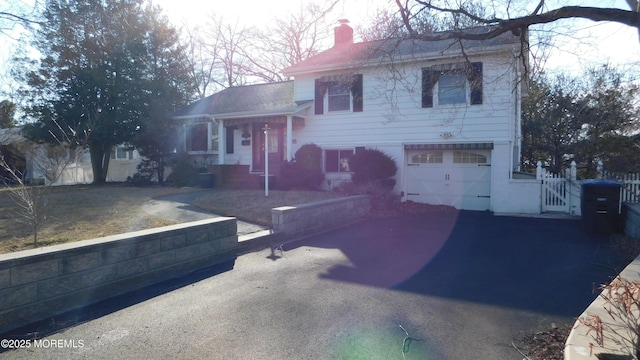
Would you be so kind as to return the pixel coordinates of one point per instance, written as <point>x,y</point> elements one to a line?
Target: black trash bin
<point>206,180</point>
<point>600,206</point>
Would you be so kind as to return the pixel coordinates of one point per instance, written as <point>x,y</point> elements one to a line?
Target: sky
<point>577,44</point>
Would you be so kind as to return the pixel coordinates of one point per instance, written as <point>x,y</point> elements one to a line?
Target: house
<point>56,165</point>
<point>447,111</point>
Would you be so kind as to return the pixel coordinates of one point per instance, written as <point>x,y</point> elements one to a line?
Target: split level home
<point>448,112</point>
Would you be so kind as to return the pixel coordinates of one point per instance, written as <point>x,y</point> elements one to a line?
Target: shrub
<point>373,166</point>
<point>184,173</point>
<point>309,158</point>
<point>304,172</point>
<point>145,172</point>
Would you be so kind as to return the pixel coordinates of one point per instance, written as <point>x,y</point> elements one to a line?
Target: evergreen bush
<point>373,166</point>
<point>304,171</point>
<point>183,173</point>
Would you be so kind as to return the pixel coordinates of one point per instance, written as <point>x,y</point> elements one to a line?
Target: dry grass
<point>253,206</point>
<point>81,212</point>
<point>84,212</point>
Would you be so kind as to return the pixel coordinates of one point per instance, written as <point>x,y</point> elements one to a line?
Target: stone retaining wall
<point>632,220</point>
<point>40,283</point>
<point>319,216</point>
<point>580,344</point>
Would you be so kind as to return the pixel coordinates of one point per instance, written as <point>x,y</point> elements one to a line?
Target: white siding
<point>241,153</point>
<point>393,116</point>
<point>397,117</point>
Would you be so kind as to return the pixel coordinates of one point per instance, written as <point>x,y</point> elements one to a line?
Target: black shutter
<point>229,139</point>
<point>356,91</point>
<point>429,79</point>
<point>319,97</point>
<point>475,80</point>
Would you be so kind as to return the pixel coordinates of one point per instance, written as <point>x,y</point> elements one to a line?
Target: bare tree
<point>225,43</point>
<point>47,160</point>
<point>515,24</point>
<point>15,13</point>
<point>517,19</point>
<point>202,60</point>
<point>288,40</point>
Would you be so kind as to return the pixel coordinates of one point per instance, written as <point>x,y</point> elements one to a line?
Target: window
<point>121,153</point>
<point>465,157</point>
<point>338,93</point>
<point>229,138</point>
<point>452,81</point>
<point>198,137</point>
<point>452,89</point>
<point>432,157</point>
<point>339,97</point>
<point>337,160</point>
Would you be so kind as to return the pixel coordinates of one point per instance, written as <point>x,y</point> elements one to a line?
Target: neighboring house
<point>122,165</point>
<point>54,165</point>
<point>448,114</point>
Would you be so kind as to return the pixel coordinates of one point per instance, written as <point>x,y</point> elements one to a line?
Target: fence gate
<point>555,193</point>
<point>556,189</point>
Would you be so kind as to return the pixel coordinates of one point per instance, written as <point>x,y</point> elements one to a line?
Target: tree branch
<point>515,25</point>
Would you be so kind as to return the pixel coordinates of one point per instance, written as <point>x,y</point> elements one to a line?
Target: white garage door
<point>458,178</point>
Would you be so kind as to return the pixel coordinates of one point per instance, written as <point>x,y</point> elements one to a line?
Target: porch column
<point>221,140</point>
<point>289,137</point>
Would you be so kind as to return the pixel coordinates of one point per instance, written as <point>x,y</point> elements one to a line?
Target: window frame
<point>128,154</point>
<point>432,157</point>
<point>211,138</point>
<point>346,93</point>
<point>338,159</point>
<point>469,157</point>
<point>461,90</point>
<point>473,72</point>
<point>354,84</point>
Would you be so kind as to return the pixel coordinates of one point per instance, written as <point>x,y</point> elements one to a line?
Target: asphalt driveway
<point>461,284</point>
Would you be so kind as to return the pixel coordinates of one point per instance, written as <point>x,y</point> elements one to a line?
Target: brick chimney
<point>343,34</point>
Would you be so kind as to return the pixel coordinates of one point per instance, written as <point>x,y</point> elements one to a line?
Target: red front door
<point>276,148</point>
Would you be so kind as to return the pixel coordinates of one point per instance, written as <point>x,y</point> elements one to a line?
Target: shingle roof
<point>261,98</point>
<point>375,52</point>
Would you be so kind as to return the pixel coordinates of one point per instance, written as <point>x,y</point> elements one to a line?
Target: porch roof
<point>250,101</point>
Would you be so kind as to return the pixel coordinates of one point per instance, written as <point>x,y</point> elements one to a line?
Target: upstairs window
<point>338,93</point>
<point>339,97</point>
<point>452,81</point>
<point>452,89</point>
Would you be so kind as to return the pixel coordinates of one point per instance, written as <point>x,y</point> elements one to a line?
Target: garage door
<point>458,178</point>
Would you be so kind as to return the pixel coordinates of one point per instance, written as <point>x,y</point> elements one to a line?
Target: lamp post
<point>266,159</point>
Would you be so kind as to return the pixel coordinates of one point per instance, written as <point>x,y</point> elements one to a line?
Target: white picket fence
<point>558,190</point>
<point>630,185</point>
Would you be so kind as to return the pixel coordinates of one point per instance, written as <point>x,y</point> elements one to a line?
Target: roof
<point>271,98</point>
<point>396,49</point>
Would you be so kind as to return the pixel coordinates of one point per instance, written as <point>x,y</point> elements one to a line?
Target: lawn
<point>253,206</point>
<point>83,212</point>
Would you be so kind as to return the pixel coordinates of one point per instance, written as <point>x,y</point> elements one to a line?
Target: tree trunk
<point>100,156</point>
<point>160,170</point>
